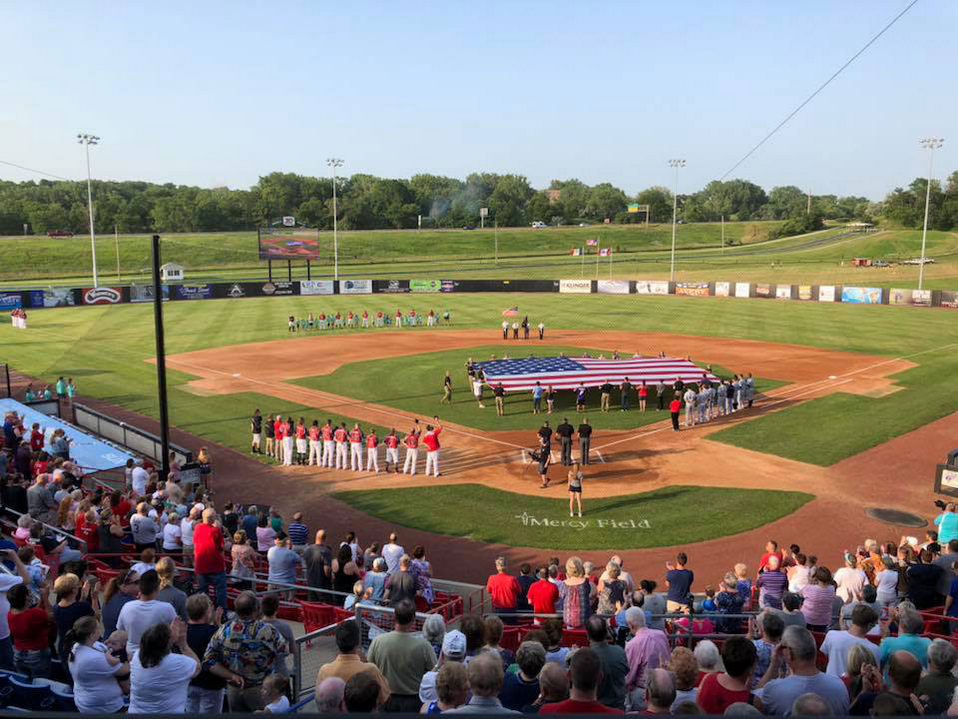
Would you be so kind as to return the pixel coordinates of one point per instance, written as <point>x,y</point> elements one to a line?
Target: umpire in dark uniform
<point>585,438</point>
<point>564,432</point>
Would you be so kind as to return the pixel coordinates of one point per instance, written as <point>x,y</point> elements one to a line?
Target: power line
<point>30,169</point>
<point>820,88</point>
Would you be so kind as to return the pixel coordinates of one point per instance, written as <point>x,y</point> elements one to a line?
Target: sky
<point>219,93</point>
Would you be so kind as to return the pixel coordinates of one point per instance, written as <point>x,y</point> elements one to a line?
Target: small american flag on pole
<point>511,312</point>
<point>605,252</point>
<point>518,375</point>
<point>593,242</point>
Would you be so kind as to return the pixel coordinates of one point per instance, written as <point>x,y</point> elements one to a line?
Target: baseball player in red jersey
<point>340,438</point>
<point>365,322</point>
<point>412,450</point>
<point>356,449</point>
<point>301,444</point>
<point>278,431</point>
<point>372,451</point>
<point>328,445</point>
<point>398,319</point>
<point>431,440</point>
<point>313,443</point>
<point>392,450</point>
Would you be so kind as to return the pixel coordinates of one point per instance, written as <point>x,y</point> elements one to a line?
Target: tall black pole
<point>160,360</point>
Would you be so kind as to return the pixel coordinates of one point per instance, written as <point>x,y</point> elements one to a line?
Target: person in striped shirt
<point>773,582</point>
<point>298,533</point>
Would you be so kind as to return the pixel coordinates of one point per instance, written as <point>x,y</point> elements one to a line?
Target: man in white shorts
<point>477,389</point>
<point>412,450</point>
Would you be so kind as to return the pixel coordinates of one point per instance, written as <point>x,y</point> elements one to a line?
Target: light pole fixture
<point>86,140</point>
<point>335,162</point>
<point>676,164</point>
<point>931,144</point>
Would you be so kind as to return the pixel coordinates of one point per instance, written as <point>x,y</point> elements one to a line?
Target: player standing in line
<point>365,320</point>
<point>643,395</point>
<point>525,327</point>
<point>564,432</point>
<point>431,319</point>
<point>675,406</point>
<point>398,319</point>
<point>392,450</point>
<point>542,329</point>
<point>339,436</point>
<point>690,397</point>
<point>585,440</point>
<point>660,393</point>
<point>505,329</point>
<point>580,393</point>
<point>329,446</point>
<point>356,448</point>
<point>412,450</point>
<point>314,450</point>
<point>702,402</point>
<point>321,321</point>
<point>736,393</point>
<point>279,429</point>
<point>477,390</point>
<point>431,440</point>
<point>606,390</point>
<point>379,318</point>
<point>446,389</point>
<point>256,428</point>
<point>550,399</point>
<point>515,330</point>
<point>750,388</point>
<point>291,324</point>
<point>301,446</point>
<point>499,392</point>
<point>537,398</point>
<point>626,389</point>
<point>372,451</point>
<point>270,434</point>
<point>289,431</point>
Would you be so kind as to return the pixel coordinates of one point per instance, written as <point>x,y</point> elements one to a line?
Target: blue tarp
<point>85,449</point>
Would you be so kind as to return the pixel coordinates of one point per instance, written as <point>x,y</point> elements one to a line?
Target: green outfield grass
<point>663,517</point>
<point>414,383</point>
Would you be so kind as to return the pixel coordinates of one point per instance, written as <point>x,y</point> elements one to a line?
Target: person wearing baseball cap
<point>453,650</point>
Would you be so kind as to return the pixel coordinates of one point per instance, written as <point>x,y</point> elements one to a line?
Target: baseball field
<point>855,406</point>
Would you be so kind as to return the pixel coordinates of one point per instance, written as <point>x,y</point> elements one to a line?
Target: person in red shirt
<point>279,429</point>
<point>503,589</point>
<point>771,550</point>
<point>675,406</point>
<point>120,506</point>
<point>87,530</point>
<point>431,440</point>
<point>543,594</point>
<point>585,669</point>
<point>313,443</point>
<point>719,690</point>
<point>329,446</point>
<point>398,319</point>
<point>36,438</point>
<point>208,562</point>
<point>372,451</point>
<point>339,436</point>
<point>412,450</point>
<point>365,322</point>
<point>392,450</point>
<point>356,448</point>
<point>643,396</point>
<point>301,446</point>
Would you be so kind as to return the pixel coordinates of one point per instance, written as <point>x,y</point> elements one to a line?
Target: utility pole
<point>931,144</point>
<point>335,162</point>
<point>676,164</point>
<point>160,360</point>
<point>86,140</point>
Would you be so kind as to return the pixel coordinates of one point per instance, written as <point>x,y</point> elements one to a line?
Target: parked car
<point>59,233</point>
<point>879,263</point>
<point>468,227</point>
<point>919,261</point>
<point>539,224</point>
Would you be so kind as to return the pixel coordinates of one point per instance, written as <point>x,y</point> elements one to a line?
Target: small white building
<point>171,272</point>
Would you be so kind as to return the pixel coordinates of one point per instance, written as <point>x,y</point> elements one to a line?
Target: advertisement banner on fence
<point>613,287</point>
<point>919,298</point>
<point>196,292</point>
<point>10,301</point>
<point>949,299</point>
<point>741,289</point>
<point>391,286</point>
<point>448,285</point>
<point>355,287</point>
<point>826,293</point>
<point>651,287</point>
<point>722,289</point>
<point>278,288</point>
<point>52,297</point>
<point>783,292</point>
<point>315,287</point>
<point>144,293</point>
<point>581,287</point>
<point>764,291</point>
<point>804,292</point>
<point>102,295</point>
<point>692,289</point>
<point>425,285</point>
<point>862,295</point>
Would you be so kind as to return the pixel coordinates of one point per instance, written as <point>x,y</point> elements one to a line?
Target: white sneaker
<point>571,514</point>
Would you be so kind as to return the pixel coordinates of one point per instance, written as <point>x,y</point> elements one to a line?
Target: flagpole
<point>598,250</point>
<point>610,265</point>
<point>582,252</point>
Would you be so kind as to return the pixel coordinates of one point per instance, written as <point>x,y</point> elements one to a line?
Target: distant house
<point>553,196</point>
<point>171,272</point>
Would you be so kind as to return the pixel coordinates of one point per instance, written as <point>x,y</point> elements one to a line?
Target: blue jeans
<point>218,580</point>
<point>33,662</point>
<point>204,701</point>
<point>6,653</point>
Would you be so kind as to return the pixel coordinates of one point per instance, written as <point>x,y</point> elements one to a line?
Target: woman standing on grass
<point>575,487</point>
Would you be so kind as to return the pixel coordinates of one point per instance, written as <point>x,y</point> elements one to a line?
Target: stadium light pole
<point>930,144</point>
<point>86,140</point>
<point>335,162</point>
<point>676,164</point>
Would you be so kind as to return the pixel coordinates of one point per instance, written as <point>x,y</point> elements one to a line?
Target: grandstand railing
<point>138,440</point>
<point>72,538</point>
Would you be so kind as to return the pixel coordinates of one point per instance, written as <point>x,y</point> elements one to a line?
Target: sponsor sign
<point>804,292</point>
<point>764,290</point>
<point>289,221</point>
<point>193,292</point>
<point>10,301</point>
<point>144,293</point>
<point>722,289</point>
<point>392,286</point>
<point>424,285</point>
<point>862,295</point>
<point>235,290</point>
<point>575,286</point>
<point>448,285</point>
<point>946,479</point>
<point>826,293</point>
<point>316,287</point>
<point>741,289</point>
<point>531,520</point>
<point>651,287</point>
<point>692,289</point>
<point>102,295</point>
<point>355,287</point>
<point>783,292</point>
<point>949,298</point>
<point>613,287</point>
<point>279,288</point>
<point>919,298</point>
<point>52,297</point>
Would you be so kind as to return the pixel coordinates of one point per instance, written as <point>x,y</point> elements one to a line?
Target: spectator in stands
<point>526,579</point>
<point>270,605</point>
<point>719,690</point>
<point>329,696</point>
<point>243,651</point>
<point>230,519</point>
<point>585,671</point>
<point>14,493</point>
<point>187,529</point>
<point>97,674</point>
<point>810,704</point>
<point>159,679</point>
<point>654,603</point>
<point>30,631</point>
<point>140,614</point>
<point>119,590</point>
<point>773,583</point>
<point>283,562</point>
<point>275,687</point>
<point>685,672</point>
<point>555,652</point>
<point>298,534</point>
<point>837,643</point>
<point>345,572</point>
<point>819,596</point>
<point>769,627</point>
<point>521,688</point>
<point>206,691</point>
<point>615,667</point>
<point>8,581</point>
<point>362,693</point>
<point>376,579</point>
<point>139,479</point>
<point>401,585</point>
<point>910,627</point>
<point>937,686</point>
<point>798,574</point>
<point>493,629</point>
<point>678,580</point>
<point>392,553</point>
<point>349,662</point>
<point>791,612</point>
<point>947,523</point>
<point>771,550</point>
<point>318,558</point>
<point>166,571</point>
<point>452,688</point>
<point>208,561</point>
<point>856,661</point>
<point>577,593</point>
<point>798,650</point>
<point>647,649</point>
<point>143,528</point>
<point>244,560</point>
<point>146,563</point>
<point>371,554</point>
<point>422,570</point>
<point>485,681</point>
<point>503,589</point>
<point>612,592</point>
<point>709,659</point>
<point>265,534</point>
<point>904,675</point>
<point>40,501</point>
<point>728,601</point>
<point>70,607</point>
<point>434,630</point>
<point>403,656</point>
<point>250,521</point>
<point>110,532</point>
<point>542,594</point>
<point>453,649</point>
<point>850,579</point>
<point>923,581</point>
<point>659,692</point>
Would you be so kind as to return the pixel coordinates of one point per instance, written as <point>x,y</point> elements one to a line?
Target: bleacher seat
<point>32,696</point>
<point>64,699</point>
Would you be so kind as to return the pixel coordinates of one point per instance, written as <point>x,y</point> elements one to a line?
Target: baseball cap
<point>454,645</point>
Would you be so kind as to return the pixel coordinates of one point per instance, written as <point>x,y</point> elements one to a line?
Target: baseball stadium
<point>358,444</point>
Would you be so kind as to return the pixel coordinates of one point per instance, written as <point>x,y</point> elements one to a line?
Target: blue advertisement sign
<point>193,292</point>
<point>10,301</point>
<point>862,295</point>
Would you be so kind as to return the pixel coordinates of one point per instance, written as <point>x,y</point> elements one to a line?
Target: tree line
<point>368,202</point>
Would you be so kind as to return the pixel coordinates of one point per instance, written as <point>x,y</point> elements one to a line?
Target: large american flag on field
<point>521,374</point>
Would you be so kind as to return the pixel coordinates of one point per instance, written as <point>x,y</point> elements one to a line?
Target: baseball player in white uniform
<point>412,450</point>
<point>356,448</point>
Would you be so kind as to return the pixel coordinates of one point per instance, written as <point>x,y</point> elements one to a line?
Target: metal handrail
<point>56,530</point>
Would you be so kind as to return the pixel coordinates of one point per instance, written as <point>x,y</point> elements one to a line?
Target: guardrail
<point>126,435</point>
